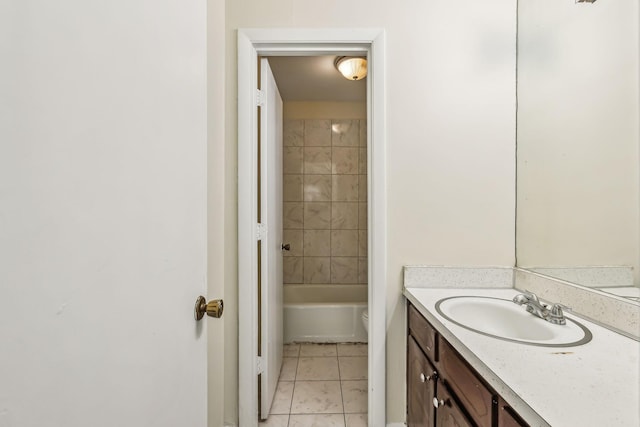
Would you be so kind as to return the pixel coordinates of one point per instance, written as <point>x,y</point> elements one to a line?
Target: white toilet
<point>365,320</point>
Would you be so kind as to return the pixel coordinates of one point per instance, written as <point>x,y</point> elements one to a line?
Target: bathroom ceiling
<point>314,78</point>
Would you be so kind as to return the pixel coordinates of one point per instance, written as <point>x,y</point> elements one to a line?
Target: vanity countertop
<point>596,384</point>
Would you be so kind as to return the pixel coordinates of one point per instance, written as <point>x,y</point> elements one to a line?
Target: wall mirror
<point>578,155</point>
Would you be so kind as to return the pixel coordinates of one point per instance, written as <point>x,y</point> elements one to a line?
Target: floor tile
<point>353,368</point>
<point>311,349</point>
<point>317,397</point>
<point>288,371</point>
<point>318,368</point>
<point>352,350</point>
<point>291,350</point>
<point>354,395</point>
<point>356,420</point>
<point>275,421</point>
<point>282,399</point>
<point>315,420</point>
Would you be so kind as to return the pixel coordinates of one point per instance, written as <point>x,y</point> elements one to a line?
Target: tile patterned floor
<point>321,385</point>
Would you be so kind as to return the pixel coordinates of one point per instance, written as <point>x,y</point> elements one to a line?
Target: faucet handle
<point>556,316</point>
<point>531,295</point>
<point>556,309</point>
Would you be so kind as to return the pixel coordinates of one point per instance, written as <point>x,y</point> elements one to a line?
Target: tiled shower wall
<point>325,201</point>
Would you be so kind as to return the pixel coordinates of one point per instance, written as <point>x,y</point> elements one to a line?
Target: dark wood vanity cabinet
<point>442,389</point>
<point>449,413</point>
<point>421,378</point>
<point>507,417</point>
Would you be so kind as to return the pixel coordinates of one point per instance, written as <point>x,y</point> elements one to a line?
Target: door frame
<point>307,42</point>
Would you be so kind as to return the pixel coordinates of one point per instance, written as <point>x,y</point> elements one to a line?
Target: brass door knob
<point>212,308</point>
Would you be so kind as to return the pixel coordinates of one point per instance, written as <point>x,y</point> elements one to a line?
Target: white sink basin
<point>503,319</point>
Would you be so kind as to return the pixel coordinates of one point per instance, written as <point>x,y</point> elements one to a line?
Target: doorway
<point>287,42</point>
<point>324,223</point>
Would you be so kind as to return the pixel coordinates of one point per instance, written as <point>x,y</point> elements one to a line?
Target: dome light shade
<point>352,68</point>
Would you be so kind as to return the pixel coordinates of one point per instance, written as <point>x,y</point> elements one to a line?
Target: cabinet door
<point>420,387</point>
<point>508,418</point>
<point>449,413</point>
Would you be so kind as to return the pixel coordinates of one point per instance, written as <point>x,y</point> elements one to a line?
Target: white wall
<point>578,123</point>
<point>451,131</point>
<point>320,110</point>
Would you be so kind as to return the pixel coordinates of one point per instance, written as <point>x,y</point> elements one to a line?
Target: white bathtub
<point>308,319</point>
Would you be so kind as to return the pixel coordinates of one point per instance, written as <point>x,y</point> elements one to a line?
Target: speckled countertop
<point>596,384</point>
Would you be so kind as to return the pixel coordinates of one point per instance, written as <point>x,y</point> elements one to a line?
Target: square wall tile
<point>293,133</point>
<point>292,270</point>
<point>363,269</point>
<point>345,133</point>
<point>363,133</point>
<point>344,160</point>
<point>344,188</point>
<point>292,160</point>
<point>292,215</point>
<point>362,243</point>
<point>317,133</point>
<point>362,161</point>
<point>362,188</point>
<point>292,188</point>
<point>317,215</point>
<point>344,215</point>
<point>317,188</point>
<point>317,160</point>
<point>344,270</point>
<point>344,242</point>
<point>317,242</point>
<point>317,269</point>
<point>362,216</point>
<point>295,240</point>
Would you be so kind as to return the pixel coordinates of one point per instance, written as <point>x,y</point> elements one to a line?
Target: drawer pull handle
<point>424,378</point>
<point>438,403</point>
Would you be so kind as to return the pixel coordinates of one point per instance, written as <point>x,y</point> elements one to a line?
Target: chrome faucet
<point>550,312</point>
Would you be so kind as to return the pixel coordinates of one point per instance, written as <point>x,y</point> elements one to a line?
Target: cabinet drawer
<point>465,384</point>
<point>422,331</point>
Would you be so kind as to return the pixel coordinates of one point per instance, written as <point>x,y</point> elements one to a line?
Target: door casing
<point>309,42</point>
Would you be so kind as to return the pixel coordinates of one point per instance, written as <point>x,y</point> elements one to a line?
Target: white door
<point>271,248</point>
<point>102,213</point>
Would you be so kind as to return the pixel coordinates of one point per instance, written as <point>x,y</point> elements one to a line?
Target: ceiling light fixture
<point>352,68</point>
